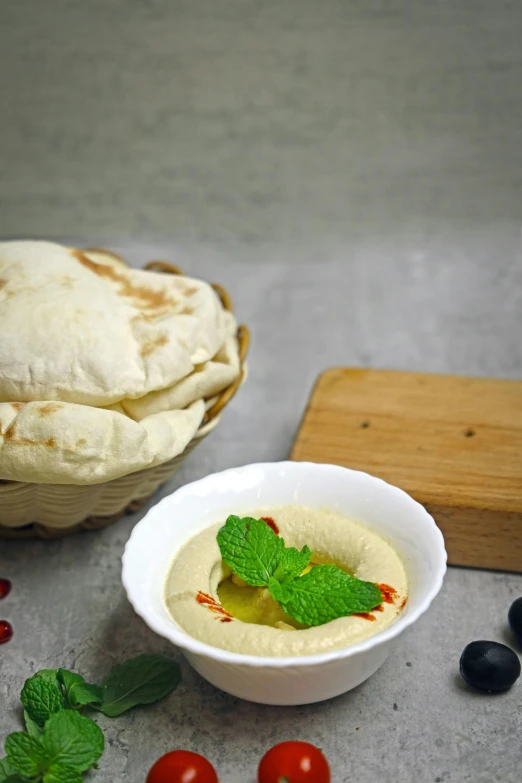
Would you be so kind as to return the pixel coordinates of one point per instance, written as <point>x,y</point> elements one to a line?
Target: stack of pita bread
<point>104,369</point>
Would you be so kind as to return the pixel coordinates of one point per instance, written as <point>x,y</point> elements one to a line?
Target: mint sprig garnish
<point>250,548</point>
<point>259,556</point>
<point>60,743</point>
<point>324,594</point>
<point>292,563</point>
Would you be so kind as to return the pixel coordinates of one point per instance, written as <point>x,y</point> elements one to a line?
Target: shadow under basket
<point>29,510</point>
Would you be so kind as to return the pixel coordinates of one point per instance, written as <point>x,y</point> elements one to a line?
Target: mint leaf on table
<point>60,743</point>
<point>251,549</point>
<point>78,692</point>
<point>140,680</point>
<point>26,754</point>
<point>7,773</point>
<point>31,727</point>
<point>49,675</point>
<point>41,698</point>
<point>70,738</point>
<point>62,773</point>
<point>292,563</point>
<point>324,594</point>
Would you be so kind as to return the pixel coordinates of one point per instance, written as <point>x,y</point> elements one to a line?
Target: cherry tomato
<point>293,762</point>
<point>182,766</point>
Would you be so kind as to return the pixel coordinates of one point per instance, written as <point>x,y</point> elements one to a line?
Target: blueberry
<point>489,666</point>
<point>515,618</point>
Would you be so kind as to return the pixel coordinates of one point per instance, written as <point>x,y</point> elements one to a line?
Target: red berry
<point>5,588</point>
<point>6,631</point>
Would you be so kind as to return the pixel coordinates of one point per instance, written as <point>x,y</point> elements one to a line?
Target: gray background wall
<point>298,124</point>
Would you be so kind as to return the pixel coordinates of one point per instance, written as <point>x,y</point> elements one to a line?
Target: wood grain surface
<point>452,442</point>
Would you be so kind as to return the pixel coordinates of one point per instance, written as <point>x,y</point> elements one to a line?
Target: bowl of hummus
<point>284,637</point>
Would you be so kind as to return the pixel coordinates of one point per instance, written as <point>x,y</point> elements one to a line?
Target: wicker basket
<point>30,510</point>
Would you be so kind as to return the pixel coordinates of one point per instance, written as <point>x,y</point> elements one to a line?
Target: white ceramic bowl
<point>298,680</point>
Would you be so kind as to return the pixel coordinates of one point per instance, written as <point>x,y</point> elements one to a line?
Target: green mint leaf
<point>324,594</point>
<point>140,680</point>
<point>78,692</point>
<point>25,754</point>
<point>251,548</point>
<point>70,738</point>
<point>33,729</point>
<point>292,564</point>
<point>5,767</point>
<point>6,770</point>
<point>41,698</point>
<point>50,675</point>
<point>8,774</point>
<point>62,773</point>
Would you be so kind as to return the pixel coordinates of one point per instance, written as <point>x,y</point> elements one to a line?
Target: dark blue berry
<point>489,666</point>
<point>515,618</point>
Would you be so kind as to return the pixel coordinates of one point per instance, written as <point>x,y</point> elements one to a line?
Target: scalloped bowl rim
<point>185,642</point>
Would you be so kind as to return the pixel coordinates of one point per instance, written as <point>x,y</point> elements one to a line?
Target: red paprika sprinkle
<point>270,522</point>
<point>388,593</point>
<point>212,604</point>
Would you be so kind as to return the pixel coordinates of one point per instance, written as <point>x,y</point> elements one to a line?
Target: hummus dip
<point>208,604</point>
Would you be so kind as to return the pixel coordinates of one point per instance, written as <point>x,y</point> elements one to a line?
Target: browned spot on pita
<point>145,298</point>
<point>83,259</point>
<point>147,316</point>
<point>50,407</point>
<point>186,311</point>
<point>3,284</point>
<point>67,281</point>
<point>81,442</point>
<point>151,345</point>
<point>17,405</point>
<point>190,291</point>
<point>21,441</point>
<point>11,436</point>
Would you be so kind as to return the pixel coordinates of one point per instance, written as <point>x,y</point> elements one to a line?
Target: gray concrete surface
<point>352,171</point>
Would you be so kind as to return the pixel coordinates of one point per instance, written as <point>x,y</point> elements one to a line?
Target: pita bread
<point>102,256</point>
<point>104,370</point>
<point>206,380</point>
<point>64,443</point>
<point>77,330</point>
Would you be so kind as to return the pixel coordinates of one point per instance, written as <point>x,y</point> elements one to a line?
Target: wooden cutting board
<point>454,443</point>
